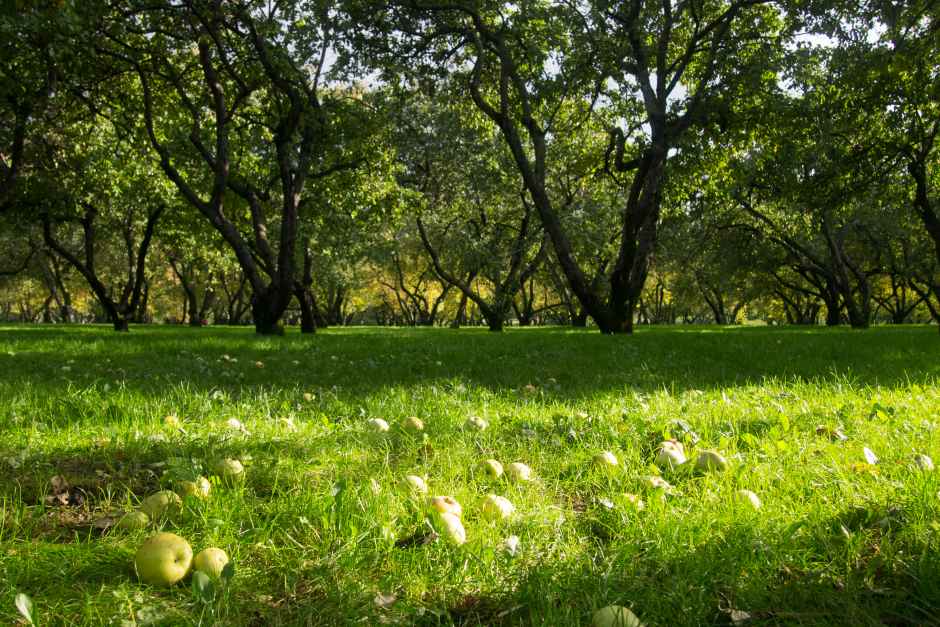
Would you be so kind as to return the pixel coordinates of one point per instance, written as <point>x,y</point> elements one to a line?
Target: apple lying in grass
<point>452,528</point>
<point>378,425</point>
<point>414,424</point>
<point>605,459</point>
<point>211,561</point>
<point>670,455</point>
<point>615,616</point>
<point>228,469</point>
<point>475,422</point>
<point>163,559</point>
<point>198,488</point>
<point>416,483</point>
<point>132,521</point>
<point>497,507</point>
<point>447,505</point>
<point>163,503</point>
<point>746,497</point>
<point>710,461</point>
<point>657,483</point>
<point>517,471</point>
<point>171,420</point>
<point>923,462</point>
<point>492,468</point>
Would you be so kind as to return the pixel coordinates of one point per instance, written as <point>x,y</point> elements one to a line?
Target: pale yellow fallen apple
<point>446,505</point>
<point>171,420</point>
<point>132,521</point>
<point>605,458</point>
<point>492,467</point>
<point>413,423</point>
<point>746,497</point>
<point>670,455</point>
<point>657,483</point>
<point>710,461</point>
<point>475,422</point>
<point>228,469</point>
<point>452,528</point>
<point>211,561</point>
<point>163,559</point>
<point>200,488</point>
<point>378,425</point>
<point>923,462</point>
<point>615,616</point>
<point>416,483</point>
<point>162,503</point>
<point>497,507</point>
<point>308,396</point>
<point>517,471</point>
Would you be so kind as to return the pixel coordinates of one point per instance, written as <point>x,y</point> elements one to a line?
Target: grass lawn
<point>323,530</point>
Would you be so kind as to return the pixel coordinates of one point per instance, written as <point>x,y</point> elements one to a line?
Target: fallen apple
<point>171,420</point>
<point>447,505</point>
<point>199,488</point>
<point>710,461</point>
<point>497,507</point>
<point>517,471</point>
<point>475,422</point>
<point>308,396</point>
<point>413,423</point>
<point>615,616</point>
<point>655,482</point>
<point>452,528</point>
<point>162,503</point>
<point>492,467</point>
<point>228,469</point>
<point>211,561</point>
<point>670,455</point>
<point>605,458</point>
<point>132,521</point>
<point>416,483</point>
<point>235,424</point>
<point>635,501</point>
<point>163,559</point>
<point>378,425</point>
<point>923,462</point>
<point>511,545</point>
<point>746,497</point>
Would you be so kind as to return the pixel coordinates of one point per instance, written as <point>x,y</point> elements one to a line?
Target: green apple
<point>131,521</point>
<point>710,461</point>
<point>416,483</point>
<point>517,471</point>
<point>211,561</point>
<point>378,425</point>
<point>670,455</point>
<point>615,616</point>
<point>199,488</point>
<point>446,505</point>
<point>605,459</point>
<point>477,423</point>
<point>163,559</point>
<point>492,467</point>
<point>163,503</point>
<point>413,423</point>
<point>452,528</point>
<point>497,507</point>
<point>746,497</point>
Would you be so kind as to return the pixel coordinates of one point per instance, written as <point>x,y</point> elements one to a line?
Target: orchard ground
<point>324,531</point>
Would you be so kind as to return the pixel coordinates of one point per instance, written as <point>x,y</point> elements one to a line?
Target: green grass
<point>313,528</point>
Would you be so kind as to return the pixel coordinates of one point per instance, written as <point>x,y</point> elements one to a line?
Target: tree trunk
<point>121,324</point>
<point>308,316</point>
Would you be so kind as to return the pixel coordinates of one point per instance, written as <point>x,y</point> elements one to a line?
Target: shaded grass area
<point>319,527</point>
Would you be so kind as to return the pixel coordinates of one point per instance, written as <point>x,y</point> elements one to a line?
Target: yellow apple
<point>605,458</point>
<point>447,505</point>
<point>746,497</point>
<point>228,469</point>
<point>670,455</point>
<point>199,488</point>
<point>615,616</point>
<point>518,471</point>
<point>492,467</point>
<point>163,559</point>
<point>475,422</point>
<point>497,507</point>
<point>452,528</point>
<point>211,561</point>
<point>378,425</point>
<point>163,503</point>
<point>413,423</point>
<point>710,460</point>
<point>416,483</point>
